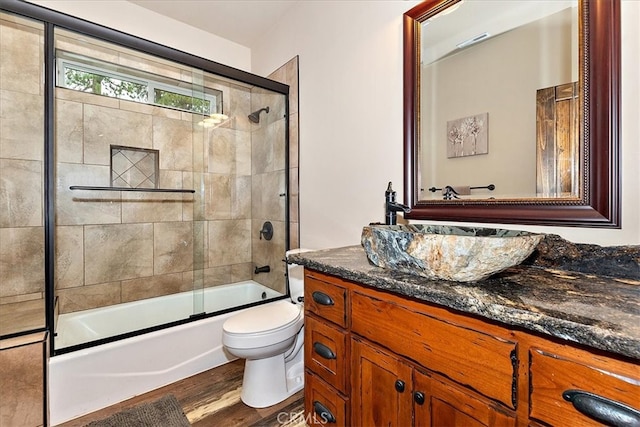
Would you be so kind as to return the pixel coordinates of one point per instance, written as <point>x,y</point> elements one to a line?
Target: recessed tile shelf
<point>145,190</point>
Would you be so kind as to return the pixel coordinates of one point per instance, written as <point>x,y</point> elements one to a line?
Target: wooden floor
<point>212,398</point>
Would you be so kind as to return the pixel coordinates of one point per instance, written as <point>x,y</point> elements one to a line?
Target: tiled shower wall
<point>21,173</point>
<point>115,247</point>
<point>268,160</point>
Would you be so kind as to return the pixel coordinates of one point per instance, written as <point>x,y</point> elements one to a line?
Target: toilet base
<point>266,383</point>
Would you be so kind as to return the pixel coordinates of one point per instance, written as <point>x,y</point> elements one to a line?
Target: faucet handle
<point>389,189</point>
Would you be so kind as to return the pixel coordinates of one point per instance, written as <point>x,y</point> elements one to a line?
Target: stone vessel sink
<point>464,254</point>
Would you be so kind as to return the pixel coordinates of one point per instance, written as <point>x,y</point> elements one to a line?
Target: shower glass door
<point>243,187</point>
<point>171,197</point>
<point>129,159</point>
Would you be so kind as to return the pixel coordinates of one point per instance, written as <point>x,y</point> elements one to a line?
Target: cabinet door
<point>381,392</point>
<point>442,404</point>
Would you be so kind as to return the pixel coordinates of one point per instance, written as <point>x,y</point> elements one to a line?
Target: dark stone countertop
<point>597,311</point>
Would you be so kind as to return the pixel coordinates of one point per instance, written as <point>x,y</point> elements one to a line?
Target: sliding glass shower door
<point>164,186</point>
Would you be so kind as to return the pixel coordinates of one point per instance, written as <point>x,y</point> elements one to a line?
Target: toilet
<point>270,337</point>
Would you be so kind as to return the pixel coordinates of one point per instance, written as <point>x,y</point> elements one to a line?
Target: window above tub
<point>92,75</point>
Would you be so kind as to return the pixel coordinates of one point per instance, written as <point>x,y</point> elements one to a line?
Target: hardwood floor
<point>212,398</point>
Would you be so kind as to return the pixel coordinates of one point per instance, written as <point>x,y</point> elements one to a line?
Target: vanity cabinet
<point>407,362</point>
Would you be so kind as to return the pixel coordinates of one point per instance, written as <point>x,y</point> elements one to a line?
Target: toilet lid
<point>263,318</point>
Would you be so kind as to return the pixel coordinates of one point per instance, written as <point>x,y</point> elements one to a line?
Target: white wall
<point>138,21</point>
<point>351,105</point>
<point>351,117</point>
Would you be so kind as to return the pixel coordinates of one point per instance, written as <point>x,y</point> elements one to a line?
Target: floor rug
<point>165,412</point>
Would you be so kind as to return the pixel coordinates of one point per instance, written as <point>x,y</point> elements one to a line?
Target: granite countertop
<point>598,311</point>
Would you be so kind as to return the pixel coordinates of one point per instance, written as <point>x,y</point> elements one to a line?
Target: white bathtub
<point>86,380</point>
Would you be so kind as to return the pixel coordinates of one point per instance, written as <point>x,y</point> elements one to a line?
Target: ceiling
<point>241,21</point>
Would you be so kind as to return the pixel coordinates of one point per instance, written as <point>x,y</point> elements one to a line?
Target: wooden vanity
<point>376,357</point>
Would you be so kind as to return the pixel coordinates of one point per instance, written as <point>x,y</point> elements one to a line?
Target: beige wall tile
<point>21,193</point>
<point>151,207</point>
<point>243,153</point>
<point>86,98</point>
<point>221,152</point>
<point>174,140</point>
<point>200,245</point>
<point>273,184</point>
<point>87,297</point>
<point>276,135</point>
<point>104,127</point>
<point>118,252</point>
<point>261,151</point>
<point>293,141</point>
<point>69,131</point>
<point>85,206</point>
<point>138,107</point>
<point>214,276</point>
<point>217,196</point>
<point>241,197</point>
<point>172,247</point>
<point>229,242</point>
<point>21,260</point>
<point>69,267</point>
<point>86,46</point>
<point>241,272</point>
<point>149,287</point>
<point>21,125</point>
<point>291,79</point>
<point>238,106</point>
<point>22,57</point>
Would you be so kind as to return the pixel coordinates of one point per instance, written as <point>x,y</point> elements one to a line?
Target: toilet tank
<point>295,276</point>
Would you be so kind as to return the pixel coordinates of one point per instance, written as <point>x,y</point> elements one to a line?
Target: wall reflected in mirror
<point>515,65</point>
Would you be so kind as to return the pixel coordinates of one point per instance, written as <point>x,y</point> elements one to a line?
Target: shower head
<point>255,116</point>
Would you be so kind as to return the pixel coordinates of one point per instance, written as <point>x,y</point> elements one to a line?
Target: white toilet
<point>271,338</point>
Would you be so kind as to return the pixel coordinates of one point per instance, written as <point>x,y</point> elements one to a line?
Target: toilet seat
<point>263,325</point>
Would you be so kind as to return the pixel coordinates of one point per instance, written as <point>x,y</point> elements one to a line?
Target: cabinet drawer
<point>479,360</point>
<point>323,406</point>
<point>610,381</point>
<point>327,300</point>
<point>325,352</point>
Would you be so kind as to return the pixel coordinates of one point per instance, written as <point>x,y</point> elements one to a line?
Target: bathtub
<point>86,380</point>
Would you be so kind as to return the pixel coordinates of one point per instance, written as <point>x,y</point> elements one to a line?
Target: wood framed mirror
<point>594,198</point>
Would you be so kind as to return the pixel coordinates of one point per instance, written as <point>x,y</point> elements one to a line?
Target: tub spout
<point>263,269</point>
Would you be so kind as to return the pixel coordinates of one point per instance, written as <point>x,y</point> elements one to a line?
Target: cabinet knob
<point>601,409</point>
<point>324,412</point>
<point>322,298</point>
<point>418,397</point>
<point>399,386</point>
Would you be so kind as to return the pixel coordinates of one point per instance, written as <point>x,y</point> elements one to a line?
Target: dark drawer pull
<point>418,397</point>
<point>324,412</point>
<point>602,409</point>
<point>322,298</point>
<point>323,350</point>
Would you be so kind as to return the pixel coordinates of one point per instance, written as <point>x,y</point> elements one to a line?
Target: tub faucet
<point>263,269</point>
<point>392,207</point>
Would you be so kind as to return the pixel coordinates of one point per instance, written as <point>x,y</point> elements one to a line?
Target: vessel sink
<point>463,254</point>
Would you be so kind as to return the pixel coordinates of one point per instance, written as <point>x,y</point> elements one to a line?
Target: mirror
<point>482,142</point>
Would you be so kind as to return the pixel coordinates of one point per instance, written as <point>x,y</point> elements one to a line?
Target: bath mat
<point>165,412</point>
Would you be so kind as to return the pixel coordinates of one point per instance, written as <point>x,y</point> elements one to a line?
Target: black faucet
<point>263,269</point>
<point>392,207</point>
